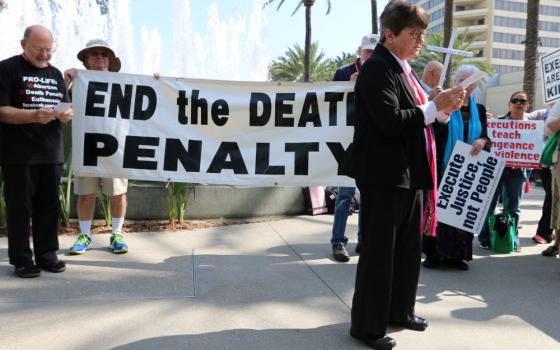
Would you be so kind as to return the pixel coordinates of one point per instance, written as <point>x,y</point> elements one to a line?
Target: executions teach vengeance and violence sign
<point>208,131</point>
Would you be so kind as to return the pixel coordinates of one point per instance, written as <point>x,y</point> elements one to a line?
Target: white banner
<point>550,70</point>
<point>518,142</point>
<point>209,131</point>
<point>467,188</point>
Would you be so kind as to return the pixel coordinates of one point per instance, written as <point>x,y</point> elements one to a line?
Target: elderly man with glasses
<point>98,55</point>
<point>31,152</point>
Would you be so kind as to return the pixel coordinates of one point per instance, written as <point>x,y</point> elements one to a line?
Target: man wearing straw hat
<point>98,55</point>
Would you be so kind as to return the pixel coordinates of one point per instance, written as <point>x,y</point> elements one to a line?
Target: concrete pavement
<point>269,285</point>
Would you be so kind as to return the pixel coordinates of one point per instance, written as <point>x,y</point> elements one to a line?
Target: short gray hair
<point>464,69</point>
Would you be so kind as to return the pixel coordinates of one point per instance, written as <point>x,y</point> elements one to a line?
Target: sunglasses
<point>516,101</point>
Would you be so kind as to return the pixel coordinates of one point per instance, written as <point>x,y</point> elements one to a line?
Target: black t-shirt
<point>27,87</point>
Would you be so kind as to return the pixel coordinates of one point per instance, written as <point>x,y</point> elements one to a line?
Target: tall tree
<point>447,29</point>
<point>374,25</point>
<point>290,66</point>
<point>307,48</point>
<point>531,50</point>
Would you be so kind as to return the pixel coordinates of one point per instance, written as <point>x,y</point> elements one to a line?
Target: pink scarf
<point>429,217</point>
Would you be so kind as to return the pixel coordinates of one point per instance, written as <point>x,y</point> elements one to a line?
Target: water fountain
<point>232,48</point>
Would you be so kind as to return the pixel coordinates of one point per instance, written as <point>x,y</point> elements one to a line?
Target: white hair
<point>462,70</point>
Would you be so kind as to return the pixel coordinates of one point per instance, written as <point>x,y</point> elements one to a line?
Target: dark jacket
<point>345,72</point>
<point>389,146</point>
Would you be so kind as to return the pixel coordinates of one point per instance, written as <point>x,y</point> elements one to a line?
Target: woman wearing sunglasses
<point>513,179</point>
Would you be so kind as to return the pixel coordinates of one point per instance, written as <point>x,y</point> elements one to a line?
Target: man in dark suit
<point>391,162</point>
<point>348,72</point>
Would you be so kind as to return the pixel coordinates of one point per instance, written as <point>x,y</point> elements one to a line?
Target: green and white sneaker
<point>117,243</point>
<point>82,244</point>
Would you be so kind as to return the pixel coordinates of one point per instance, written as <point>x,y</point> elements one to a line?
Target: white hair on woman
<point>462,70</point>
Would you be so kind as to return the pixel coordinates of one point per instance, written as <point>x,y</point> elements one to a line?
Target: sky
<point>208,39</point>
<point>339,31</point>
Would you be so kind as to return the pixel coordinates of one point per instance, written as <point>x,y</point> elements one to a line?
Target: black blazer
<point>389,146</point>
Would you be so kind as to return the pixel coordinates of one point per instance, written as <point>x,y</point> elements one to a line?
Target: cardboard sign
<point>518,142</point>
<point>550,70</point>
<point>467,188</point>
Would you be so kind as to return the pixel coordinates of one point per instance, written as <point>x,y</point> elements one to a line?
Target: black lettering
<point>339,154</point>
<point>310,111</point>
<point>182,103</point>
<point>254,118</point>
<point>301,155</point>
<point>197,103</point>
<point>220,161</point>
<point>220,108</point>
<point>120,100</point>
<point>262,162</point>
<point>141,92</point>
<point>281,109</point>
<point>133,151</point>
<point>175,152</point>
<point>94,98</point>
<point>333,98</point>
<point>92,150</point>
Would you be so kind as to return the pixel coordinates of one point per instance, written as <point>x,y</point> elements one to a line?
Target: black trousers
<point>31,194</point>
<point>543,229</point>
<point>389,264</point>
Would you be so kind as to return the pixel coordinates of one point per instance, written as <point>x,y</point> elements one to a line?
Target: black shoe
<point>27,271</point>
<point>358,248</point>
<point>340,253</point>
<point>432,263</point>
<point>381,343</point>
<point>456,264</point>
<point>55,266</point>
<point>415,323</point>
<point>484,245</point>
<point>550,251</point>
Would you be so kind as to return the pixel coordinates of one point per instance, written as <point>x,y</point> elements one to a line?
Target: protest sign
<point>209,131</point>
<point>550,70</point>
<point>518,142</point>
<point>467,188</point>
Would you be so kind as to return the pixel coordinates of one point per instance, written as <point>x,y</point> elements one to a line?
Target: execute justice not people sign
<point>467,188</point>
<point>209,131</point>
<point>518,142</point>
<point>550,76</point>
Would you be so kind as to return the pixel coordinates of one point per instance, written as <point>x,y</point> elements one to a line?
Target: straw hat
<point>114,61</point>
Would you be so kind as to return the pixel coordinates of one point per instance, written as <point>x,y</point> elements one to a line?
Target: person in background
<point>452,247</point>
<point>345,195</point>
<point>430,77</point>
<point>512,181</point>
<point>551,127</point>
<point>98,55</point>
<point>544,232</point>
<point>32,154</point>
<point>392,159</point>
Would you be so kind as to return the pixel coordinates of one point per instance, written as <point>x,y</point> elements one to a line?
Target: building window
<point>500,69</point>
<point>521,23</point>
<point>508,54</point>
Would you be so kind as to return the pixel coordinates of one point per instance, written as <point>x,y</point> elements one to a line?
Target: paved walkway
<point>269,286</point>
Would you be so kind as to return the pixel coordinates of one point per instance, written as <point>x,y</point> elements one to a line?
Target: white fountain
<point>232,48</point>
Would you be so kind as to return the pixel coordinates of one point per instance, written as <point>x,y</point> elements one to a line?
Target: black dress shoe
<point>27,271</point>
<point>432,263</point>
<point>415,323</point>
<point>52,266</point>
<point>381,343</point>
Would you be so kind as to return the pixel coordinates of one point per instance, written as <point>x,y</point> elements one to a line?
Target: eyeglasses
<point>98,53</point>
<point>521,101</point>
<point>42,49</point>
<point>417,34</point>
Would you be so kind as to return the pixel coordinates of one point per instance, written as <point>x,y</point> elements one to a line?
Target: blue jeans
<point>341,210</point>
<point>511,186</point>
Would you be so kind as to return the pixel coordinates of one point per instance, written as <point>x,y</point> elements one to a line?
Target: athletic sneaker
<point>82,244</point>
<point>117,243</point>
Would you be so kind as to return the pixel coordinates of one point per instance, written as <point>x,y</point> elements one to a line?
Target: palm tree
<point>531,52</point>
<point>447,29</point>
<point>463,43</point>
<point>307,48</point>
<point>290,66</point>
<point>344,58</point>
<point>374,26</point>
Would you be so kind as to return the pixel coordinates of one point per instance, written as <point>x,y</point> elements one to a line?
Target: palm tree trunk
<point>307,48</point>
<point>531,50</point>
<point>447,29</point>
<point>374,25</point>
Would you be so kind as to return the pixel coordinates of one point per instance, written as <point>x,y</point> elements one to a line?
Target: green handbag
<point>550,146</point>
<point>502,233</point>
